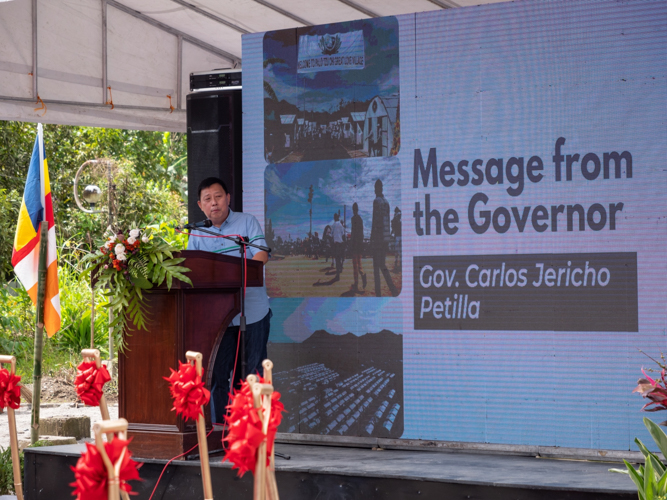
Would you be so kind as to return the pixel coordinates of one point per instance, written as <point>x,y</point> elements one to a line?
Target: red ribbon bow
<point>188,391</point>
<point>245,428</point>
<point>89,382</point>
<point>10,392</point>
<point>90,474</point>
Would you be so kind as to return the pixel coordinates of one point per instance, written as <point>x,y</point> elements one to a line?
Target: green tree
<point>9,209</point>
<point>151,178</point>
<point>150,181</point>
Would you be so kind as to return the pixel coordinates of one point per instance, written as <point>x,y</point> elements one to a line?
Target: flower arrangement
<point>126,267</point>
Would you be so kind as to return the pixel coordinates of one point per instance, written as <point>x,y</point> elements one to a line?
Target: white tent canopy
<point>126,63</point>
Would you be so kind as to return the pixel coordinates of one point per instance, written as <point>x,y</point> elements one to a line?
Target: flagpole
<point>39,332</point>
<point>41,294</point>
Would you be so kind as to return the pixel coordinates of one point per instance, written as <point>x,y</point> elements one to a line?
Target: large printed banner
<point>467,213</point>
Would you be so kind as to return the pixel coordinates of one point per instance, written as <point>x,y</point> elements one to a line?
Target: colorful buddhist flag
<point>36,209</point>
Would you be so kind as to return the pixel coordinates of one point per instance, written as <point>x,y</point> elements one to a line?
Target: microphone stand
<point>242,244</point>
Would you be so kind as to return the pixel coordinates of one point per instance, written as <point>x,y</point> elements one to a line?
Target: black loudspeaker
<point>214,145</point>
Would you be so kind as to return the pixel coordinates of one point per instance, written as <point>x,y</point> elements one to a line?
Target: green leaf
<point>662,484</point>
<point>142,283</point>
<point>636,478</point>
<point>156,273</point>
<point>179,269</point>
<point>173,262</point>
<point>648,455</point>
<point>658,435</point>
<point>183,278</point>
<point>649,480</point>
<point>160,279</point>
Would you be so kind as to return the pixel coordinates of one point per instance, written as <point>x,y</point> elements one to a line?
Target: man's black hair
<point>208,182</point>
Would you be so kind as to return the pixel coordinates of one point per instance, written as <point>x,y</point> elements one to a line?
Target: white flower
<point>131,240</point>
<point>145,238</point>
<point>108,244</point>
<point>134,233</point>
<point>119,249</point>
<point>121,256</point>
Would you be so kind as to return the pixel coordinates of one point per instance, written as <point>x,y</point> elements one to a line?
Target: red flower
<point>89,382</point>
<point>90,474</point>
<point>245,428</point>
<point>10,392</point>
<point>188,391</point>
<point>653,390</point>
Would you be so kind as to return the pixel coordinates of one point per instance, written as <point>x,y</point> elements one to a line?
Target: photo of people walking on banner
<point>332,92</point>
<point>334,228</point>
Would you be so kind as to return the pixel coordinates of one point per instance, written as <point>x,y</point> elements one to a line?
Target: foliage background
<point>151,184</point>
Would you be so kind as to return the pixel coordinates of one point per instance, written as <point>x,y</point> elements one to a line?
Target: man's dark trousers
<point>256,337</point>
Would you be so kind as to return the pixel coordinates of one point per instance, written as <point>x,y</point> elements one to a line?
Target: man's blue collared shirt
<point>237,223</point>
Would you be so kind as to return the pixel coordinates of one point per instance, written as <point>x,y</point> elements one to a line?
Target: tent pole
<point>34,50</point>
<point>104,52</point>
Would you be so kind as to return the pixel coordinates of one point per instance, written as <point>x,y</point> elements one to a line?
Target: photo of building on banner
<point>331,92</point>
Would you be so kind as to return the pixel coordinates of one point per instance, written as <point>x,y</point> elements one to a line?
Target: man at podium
<point>214,202</point>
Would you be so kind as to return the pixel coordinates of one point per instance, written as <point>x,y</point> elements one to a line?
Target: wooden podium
<point>186,318</point>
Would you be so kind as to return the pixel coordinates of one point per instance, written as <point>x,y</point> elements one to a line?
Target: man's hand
<point>261,256</point>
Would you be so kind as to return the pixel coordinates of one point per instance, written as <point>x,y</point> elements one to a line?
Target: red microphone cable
<point>170,461</point>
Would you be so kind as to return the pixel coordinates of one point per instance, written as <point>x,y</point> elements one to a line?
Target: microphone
<point>204,223</point>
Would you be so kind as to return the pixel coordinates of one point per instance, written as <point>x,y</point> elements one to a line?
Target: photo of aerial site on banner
<point>340,366</point>
<point>334,228</point>
<point>332,92</point>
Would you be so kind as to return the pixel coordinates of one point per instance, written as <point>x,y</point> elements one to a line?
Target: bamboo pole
<point>267,364</point>
<point>259,492</point>
<point>94,355</point>
<point>196,357</point>
<point>113,470</point>
<point>271,490</point>
<point>39,332</point>
<point>92,317</point>
<point>13,438</point>
<point>110,199</point>
<point>271,483</point>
